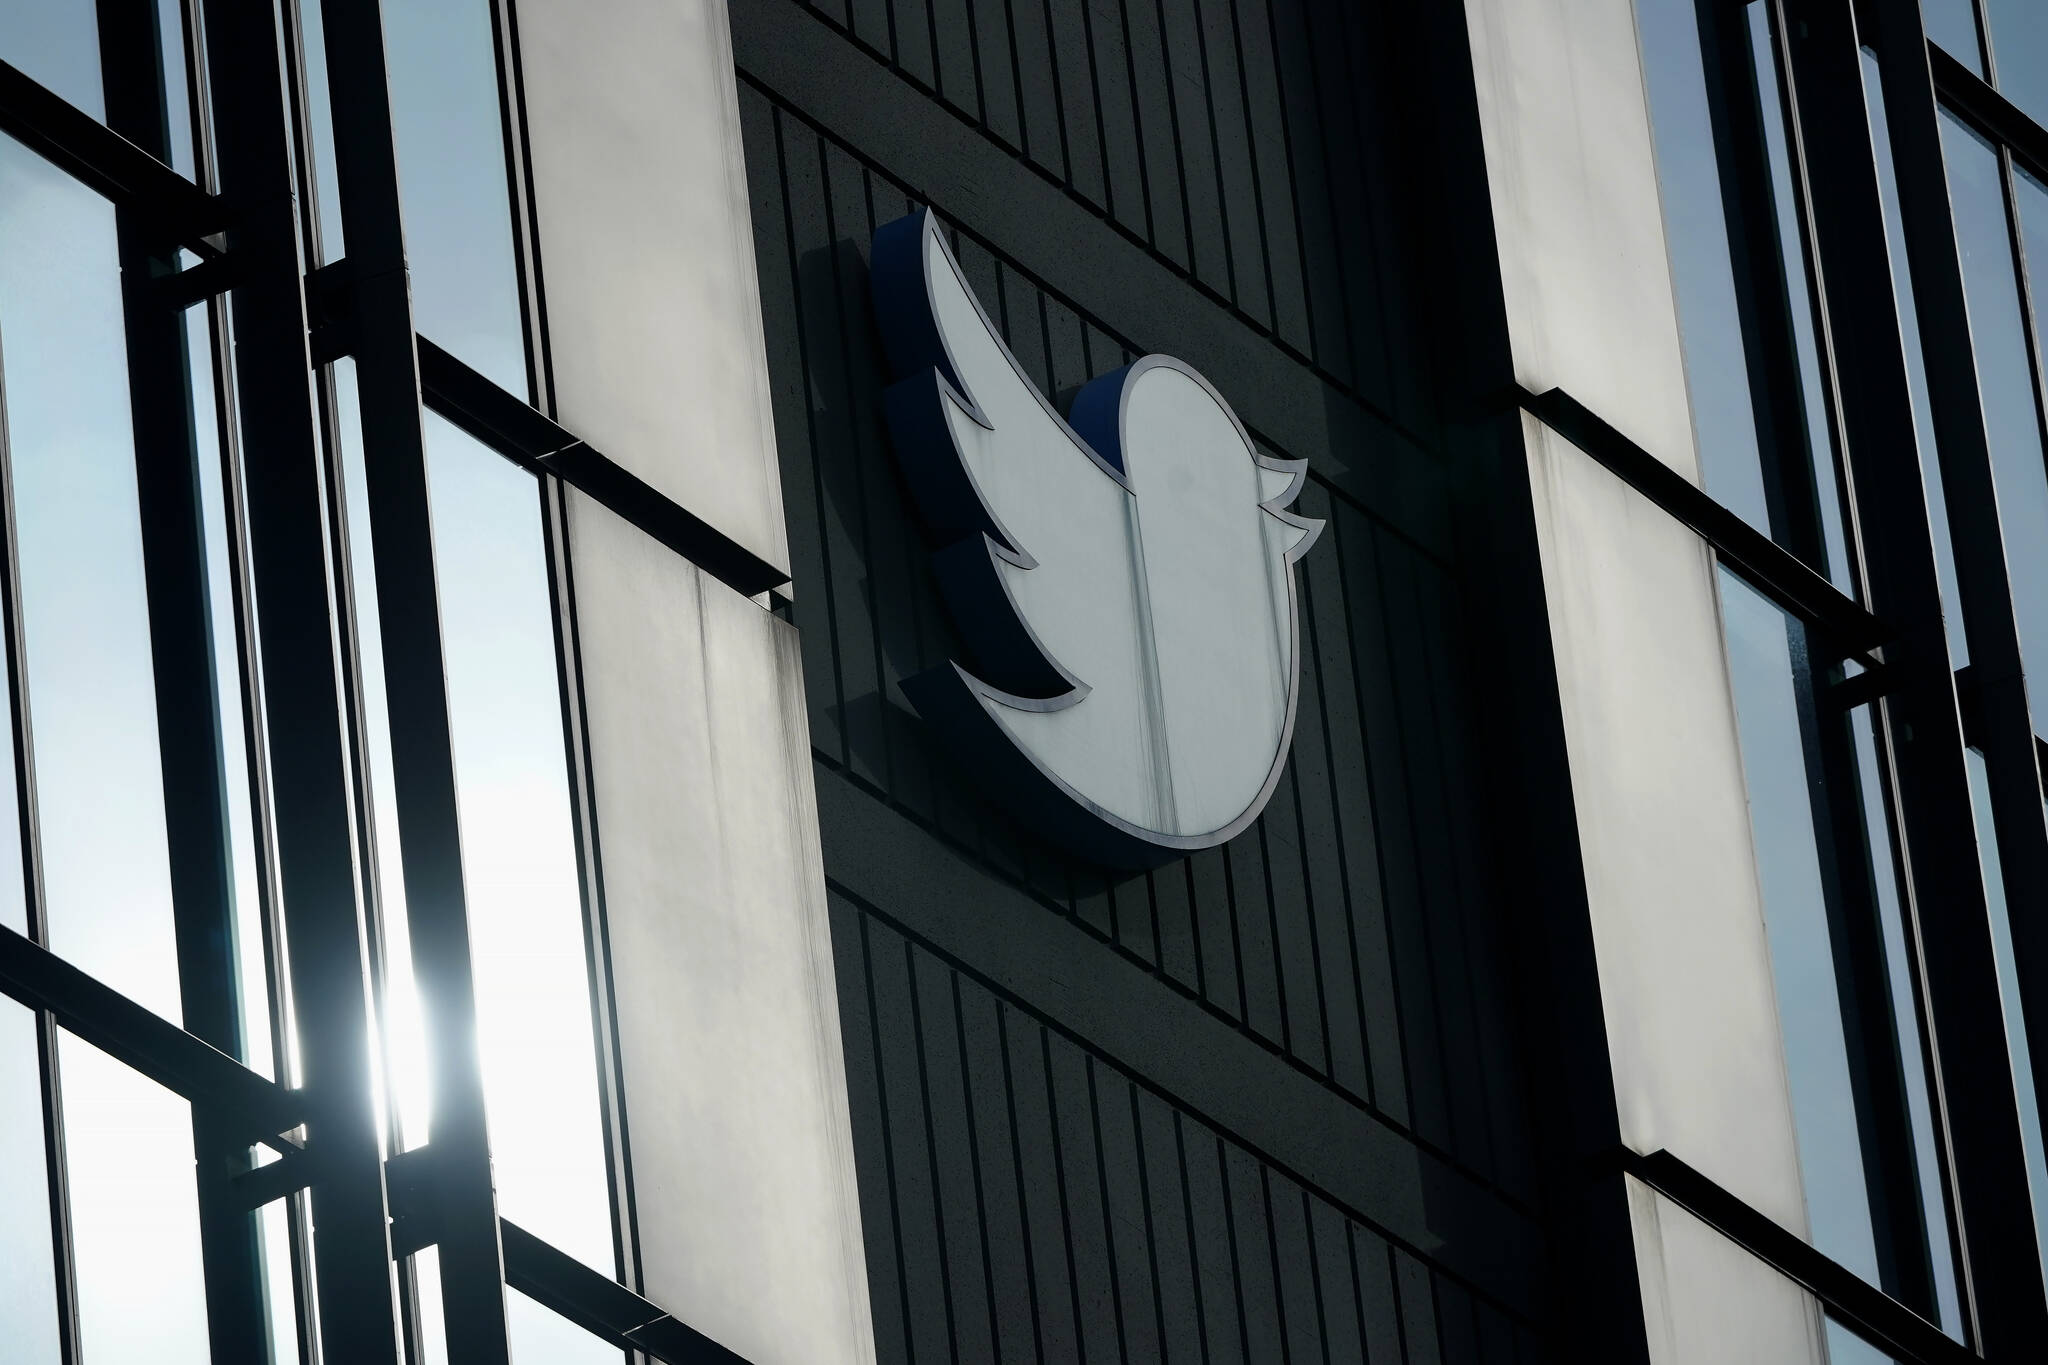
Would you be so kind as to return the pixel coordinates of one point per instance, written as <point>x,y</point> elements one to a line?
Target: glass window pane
<point>541,1336</point>
<point>1846,1348</point>
<point>1916,365</point>
<point>2017,1048</point>
<point>451,172</point>
<point>1764,649</point>
<point>28,1275</point>
<point>1953,24</point>
<point>527,934</point>
<point>1854,1055</point>
<point>2019,53</point>
<point>99,782</point>
<point>1905,1010</point>
<point>56,43</point>
<point>1702,275</point>
<point>518,846</point>
<point>134,1212</point>
<point>2005,376</point>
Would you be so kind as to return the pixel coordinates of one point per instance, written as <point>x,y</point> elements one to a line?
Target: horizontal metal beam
<point>600,1305</point>
<point>1761,562</point>
<point>1860,1305</point>
<point>145,1040</point>
<point>521,433</point>
<point>1989,112</point>
<point>86,149</point>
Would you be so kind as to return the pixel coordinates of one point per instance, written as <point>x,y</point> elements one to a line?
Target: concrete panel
<point>1685,971</point>
<point>1706,1300</point>
<point>728,1020</point>
<point>646,252</point>
<point>1573,176</point>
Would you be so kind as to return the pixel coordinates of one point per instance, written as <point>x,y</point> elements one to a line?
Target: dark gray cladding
<point>1060,1164</point>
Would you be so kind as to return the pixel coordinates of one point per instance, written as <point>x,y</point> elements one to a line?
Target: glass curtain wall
<point>136,756</point>
<point>1995,156</point>
<point>1848,921</point>
<point>1747,281</point>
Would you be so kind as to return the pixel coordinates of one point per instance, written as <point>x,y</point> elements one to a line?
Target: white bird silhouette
<point>1124,584</point>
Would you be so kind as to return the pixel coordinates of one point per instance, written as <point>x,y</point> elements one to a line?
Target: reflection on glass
<point>1916,365</point>
<point>451,176</point>
<point>1953,24</point>
<point>1702,276</point>
<point>2005,377</point>
<point>100,790</point>
<point>2009,993</point>
<point>526,920</point>
<point>2019,53</point>
<point>1764,649</point>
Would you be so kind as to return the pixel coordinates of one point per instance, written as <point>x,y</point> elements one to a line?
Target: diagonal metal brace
<point>601,1305</point>
<point>143,1039</point>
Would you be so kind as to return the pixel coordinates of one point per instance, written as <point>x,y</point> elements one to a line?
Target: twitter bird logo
<point>1123,583</point>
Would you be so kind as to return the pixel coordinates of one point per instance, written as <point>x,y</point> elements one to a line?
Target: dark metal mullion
<point>348,636</point>
<point>56,1168</point>
<point>520,205</point>
<point>1822,84</point>
<point>1921,728</point>
<point>262,814</point>
<point>316,852</point>
<point>1870,1029</point>
<point>377,317</point>
<point>1763,292</point>
<point>263,822</point>
<point>197,838</point>
<point>2006,729</point>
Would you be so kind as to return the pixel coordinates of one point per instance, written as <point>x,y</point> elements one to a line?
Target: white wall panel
<point>1706,1301</point>
<point>1573,176</point>
<point>734,1078</point>
<point>1664,834</point>
<point>646,252</point>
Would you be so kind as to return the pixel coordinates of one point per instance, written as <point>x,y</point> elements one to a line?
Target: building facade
<point>486,883</point>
